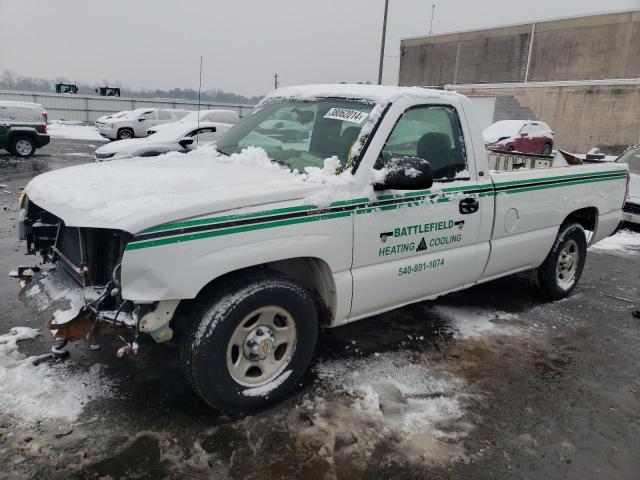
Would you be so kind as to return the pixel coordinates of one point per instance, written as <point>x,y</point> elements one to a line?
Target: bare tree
<point>9,79</point>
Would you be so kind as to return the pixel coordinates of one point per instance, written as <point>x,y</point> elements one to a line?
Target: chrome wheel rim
<point>567,266</point>
<point>261,346</point>
<point>23,147</point>
<point>125,135</point>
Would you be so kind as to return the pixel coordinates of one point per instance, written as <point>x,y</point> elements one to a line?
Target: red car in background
<point>525,136</point>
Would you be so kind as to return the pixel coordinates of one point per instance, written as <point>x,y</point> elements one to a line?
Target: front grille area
<point>68,244</point>
<point>89,255</point>
<point>631,208</point>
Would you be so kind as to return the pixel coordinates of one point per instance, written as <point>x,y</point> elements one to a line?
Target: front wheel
<point>250,341</point>
<point>559,274</point>
<point>125,134</point>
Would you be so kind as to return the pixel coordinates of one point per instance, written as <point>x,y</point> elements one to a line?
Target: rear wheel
<point>546,149</point>
<point>23,147</point>
<point>559,274</point>
<point>250,341</point>
<point>125,134</point>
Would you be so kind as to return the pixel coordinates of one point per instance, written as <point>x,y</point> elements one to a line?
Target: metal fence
<point>88,108</point>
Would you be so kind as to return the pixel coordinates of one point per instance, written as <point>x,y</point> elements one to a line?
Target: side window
<point>432,133</point>
<point>205,135</point>
<point>148,116</point>
<point>164,115</point>
<point>527,128</point>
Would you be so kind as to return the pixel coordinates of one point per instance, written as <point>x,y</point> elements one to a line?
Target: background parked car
<point>137,122</point>
<point>524,136</point>
<point>221,116</point>
<point>105,118</point>
<point>177,137</point>
<point>23,127</point>
<point>631,209</point>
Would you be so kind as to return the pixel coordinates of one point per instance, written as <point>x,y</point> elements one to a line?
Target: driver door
<point>417,244</point>
<point>145,121</point>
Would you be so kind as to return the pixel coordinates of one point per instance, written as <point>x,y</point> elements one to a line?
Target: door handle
<point>469,205</point>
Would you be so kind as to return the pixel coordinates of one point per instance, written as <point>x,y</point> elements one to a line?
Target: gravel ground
<point>486,383</point>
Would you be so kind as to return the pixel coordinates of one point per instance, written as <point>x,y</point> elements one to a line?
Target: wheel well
<point>311,273</point>
<point>14,135</point>
<point>586,217</point>
<point>125,128</point>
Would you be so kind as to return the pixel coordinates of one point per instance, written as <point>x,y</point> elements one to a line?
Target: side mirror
<point>185,141</point>
<point>141,119</point>
<point>524,134</point>
<point>406,173</point>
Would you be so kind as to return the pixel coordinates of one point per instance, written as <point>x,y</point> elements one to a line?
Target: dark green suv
<point>23,127</point>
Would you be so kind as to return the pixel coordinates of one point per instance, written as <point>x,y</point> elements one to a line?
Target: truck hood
<point>133,196</point>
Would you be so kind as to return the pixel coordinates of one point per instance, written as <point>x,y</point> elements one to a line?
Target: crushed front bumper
<point>72,312</point>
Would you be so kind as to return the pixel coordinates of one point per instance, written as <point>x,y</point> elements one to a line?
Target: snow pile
<point>74,131</point>
<point>384,400</point>
<point>135,194</point>
<point>624,241</point>
<point>469,323</point>
<point>335,186</point>
<point>40,392</point>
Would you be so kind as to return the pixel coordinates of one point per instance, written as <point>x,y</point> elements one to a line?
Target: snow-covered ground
<point>33,393</point>
<point>468,322</point>
<point>624,241</point>
<point>74,130</point>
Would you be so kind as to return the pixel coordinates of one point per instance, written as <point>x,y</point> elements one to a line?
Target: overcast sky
<point>158,43</point>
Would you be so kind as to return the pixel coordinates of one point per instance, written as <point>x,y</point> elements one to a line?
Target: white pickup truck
<point>383,197</point>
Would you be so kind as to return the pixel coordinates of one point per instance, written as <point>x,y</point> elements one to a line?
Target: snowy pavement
<point>486,383</point>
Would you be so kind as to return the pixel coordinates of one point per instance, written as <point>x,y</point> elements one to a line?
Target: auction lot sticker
<point>346,114</point>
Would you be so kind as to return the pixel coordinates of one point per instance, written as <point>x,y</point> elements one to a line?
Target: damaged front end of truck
<point>76,288</point>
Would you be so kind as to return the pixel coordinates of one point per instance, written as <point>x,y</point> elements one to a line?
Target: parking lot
<point>486,383</point>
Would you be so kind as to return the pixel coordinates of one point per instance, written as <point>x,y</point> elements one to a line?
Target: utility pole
<point>433,9</point>
<point>275,80</point>
<point>384,36</point>
<point>199,91</point>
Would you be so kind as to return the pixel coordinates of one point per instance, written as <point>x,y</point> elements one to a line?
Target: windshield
<point>300,134</point>
<point>632,158</point>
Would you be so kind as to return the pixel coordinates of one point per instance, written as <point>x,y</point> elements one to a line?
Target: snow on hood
<point>380,94</point>
<point>128,145</point>
<point>133,196</point>
<point>503,128</point>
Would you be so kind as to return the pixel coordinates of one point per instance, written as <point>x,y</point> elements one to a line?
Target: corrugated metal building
<point>581,75</point>
<point>88,108</point>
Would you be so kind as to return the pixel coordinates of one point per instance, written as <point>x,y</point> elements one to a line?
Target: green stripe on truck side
<point>361,206</point>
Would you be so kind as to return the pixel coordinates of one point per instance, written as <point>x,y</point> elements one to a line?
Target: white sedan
<point>221,116</point>
<point>631,209</point>
<point>179,137</point>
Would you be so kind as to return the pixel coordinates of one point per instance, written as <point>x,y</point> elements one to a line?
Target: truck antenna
<point>199,90</point>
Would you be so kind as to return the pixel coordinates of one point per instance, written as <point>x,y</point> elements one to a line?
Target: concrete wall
<point>582,116</point>
<point>88,108</point>
<point>592,47</point>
